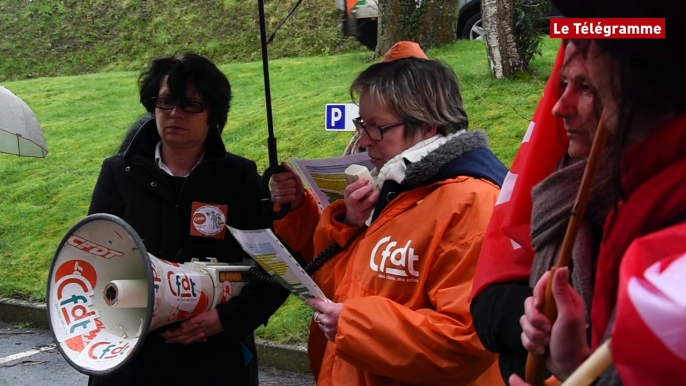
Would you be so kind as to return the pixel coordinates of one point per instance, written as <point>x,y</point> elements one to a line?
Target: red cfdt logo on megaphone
<point>105,293</point>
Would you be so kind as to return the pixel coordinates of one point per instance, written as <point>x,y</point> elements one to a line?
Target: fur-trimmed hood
<point>455,158</point>
<point>464,154</point>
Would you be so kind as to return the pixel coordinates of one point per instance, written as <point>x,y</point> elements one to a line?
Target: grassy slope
<point>68,37</point>
<point>85,118</point>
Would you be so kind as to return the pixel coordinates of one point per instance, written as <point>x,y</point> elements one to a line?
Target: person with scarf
<point>639,83</point>
<point>498,308</point>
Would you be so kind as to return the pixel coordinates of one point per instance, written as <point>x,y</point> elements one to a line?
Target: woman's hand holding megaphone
<point>195,329</point>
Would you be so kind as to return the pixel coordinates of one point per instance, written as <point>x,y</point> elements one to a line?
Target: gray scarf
<point>552,201</point>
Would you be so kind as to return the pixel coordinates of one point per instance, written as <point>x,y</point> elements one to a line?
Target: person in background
<point>499,307</point>
<point>639,83</point>
<point>174,167</point>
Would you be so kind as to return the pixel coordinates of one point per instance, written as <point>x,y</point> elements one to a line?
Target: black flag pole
<point>274,167</point>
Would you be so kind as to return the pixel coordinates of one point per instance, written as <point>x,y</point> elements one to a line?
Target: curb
<point>281,356</point>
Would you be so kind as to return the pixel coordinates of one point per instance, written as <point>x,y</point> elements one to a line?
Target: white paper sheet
<point>325,176</point>
<point>271,255</point>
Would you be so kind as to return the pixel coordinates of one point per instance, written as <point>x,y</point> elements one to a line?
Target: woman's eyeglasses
<point>374,132</point>
<point>192,107</point>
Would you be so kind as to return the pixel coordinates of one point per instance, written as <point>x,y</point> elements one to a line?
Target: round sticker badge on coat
<point>208,220</point>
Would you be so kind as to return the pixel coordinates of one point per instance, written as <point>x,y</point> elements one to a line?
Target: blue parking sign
<point>335,117</point>
<point>339,116</point>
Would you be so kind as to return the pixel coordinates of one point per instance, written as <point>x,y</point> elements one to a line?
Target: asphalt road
<point>28,357</point>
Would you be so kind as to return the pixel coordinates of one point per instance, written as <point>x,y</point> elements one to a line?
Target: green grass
<point>85,118</point>
<point>70,37</point>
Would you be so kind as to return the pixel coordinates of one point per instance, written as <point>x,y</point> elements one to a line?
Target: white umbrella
<point>20,132</point>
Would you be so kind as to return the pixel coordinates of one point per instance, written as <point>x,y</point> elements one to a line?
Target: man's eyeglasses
<point>193,107</point>
<point>374,132</point>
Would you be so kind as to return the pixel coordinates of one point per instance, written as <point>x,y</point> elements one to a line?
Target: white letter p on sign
<point>336,115</point>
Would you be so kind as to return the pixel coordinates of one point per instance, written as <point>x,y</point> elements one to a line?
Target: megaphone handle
<point>267,203</point>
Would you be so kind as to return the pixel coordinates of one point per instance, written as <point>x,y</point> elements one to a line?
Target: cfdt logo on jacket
<point>394,261</point>
<point>207,220</point>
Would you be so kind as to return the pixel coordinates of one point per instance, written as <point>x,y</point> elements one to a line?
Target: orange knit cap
<point>404,49</point>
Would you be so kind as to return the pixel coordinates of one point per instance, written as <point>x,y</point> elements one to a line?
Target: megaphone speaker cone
<point>105,293</point>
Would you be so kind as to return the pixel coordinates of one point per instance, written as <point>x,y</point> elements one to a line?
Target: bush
<point>530,15</point>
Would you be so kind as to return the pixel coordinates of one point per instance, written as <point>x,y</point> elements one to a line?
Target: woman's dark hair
<point>640,83</point>
<point>647,75</point>
<point>184,69</point>
<point>420,91</point>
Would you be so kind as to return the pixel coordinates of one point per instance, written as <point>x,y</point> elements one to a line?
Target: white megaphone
<point>105,293</point>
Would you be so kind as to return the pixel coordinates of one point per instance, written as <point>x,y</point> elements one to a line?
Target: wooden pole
<point>535,364</point>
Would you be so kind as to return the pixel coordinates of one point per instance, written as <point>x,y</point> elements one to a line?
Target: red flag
<point>507,253</point>
<point>649,336</point>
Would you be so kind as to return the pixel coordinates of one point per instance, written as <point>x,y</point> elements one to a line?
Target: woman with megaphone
<point>177,186</point>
